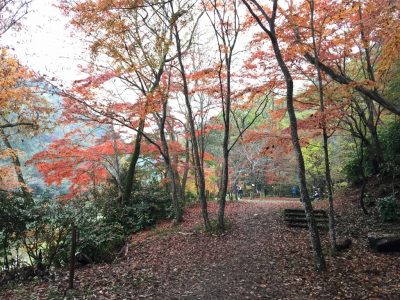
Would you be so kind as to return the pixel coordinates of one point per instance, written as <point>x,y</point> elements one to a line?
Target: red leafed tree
<point>137,55</point>
<point>83,160</point>
<point>365,32</point>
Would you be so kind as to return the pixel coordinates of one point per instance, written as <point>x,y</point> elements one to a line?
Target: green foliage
<point>148,204</point>
<point>390,141</point>
<point>314,162</point>
<point>47,230</point>
<point>393,89</point>
<point>151,204</point>
<point>190,197</point>
<point>13,219</point>
<point>389,208</point>
<point>353,169</point>
<point>97,238</point>
<point>389,137</point>
<point>43,228</point>
<point>100,241</point>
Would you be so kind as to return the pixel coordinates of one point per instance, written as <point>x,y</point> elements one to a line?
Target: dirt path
<point>258,258</point>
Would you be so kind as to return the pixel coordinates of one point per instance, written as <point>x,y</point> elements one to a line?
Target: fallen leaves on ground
<point>259,257</point>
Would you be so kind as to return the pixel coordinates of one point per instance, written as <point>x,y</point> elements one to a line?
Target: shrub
<point>44,226</point>
<point>47,231</point>
<point>13,220</point>
<point>100,241</point>
<point>97,238</point>
<point>389,208</point>
<point>390,140</point>
<point>353,170</point>
<point>389,137</point>
<point>148,204</point>
<point>47,234</point>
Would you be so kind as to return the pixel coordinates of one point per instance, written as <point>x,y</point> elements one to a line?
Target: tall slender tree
<point>316,45</point>
<point>267,21</point>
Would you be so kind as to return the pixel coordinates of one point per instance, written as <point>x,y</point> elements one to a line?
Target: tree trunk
<point>132,165</point>
<point>195,145</point>
<point>224,182</point>
<point>117,165</point>
<point>174,192</point>
<point>225,146</point>
<point>331,211</point>
<point>186,171</point>
<point>314,234</point>
<point>376,150</point>
<point>174,183</point>
<point>377,154</point>
<point>18,168</point>
<point>364,179</point>
<point>136,152</point>
<point>72,258</point>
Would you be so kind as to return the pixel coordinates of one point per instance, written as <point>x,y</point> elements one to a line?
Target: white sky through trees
<point>45,44</point>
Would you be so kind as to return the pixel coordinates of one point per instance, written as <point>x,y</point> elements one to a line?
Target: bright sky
<point>44,44</point>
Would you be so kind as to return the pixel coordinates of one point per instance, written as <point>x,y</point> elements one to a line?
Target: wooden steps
<point>297,218</point>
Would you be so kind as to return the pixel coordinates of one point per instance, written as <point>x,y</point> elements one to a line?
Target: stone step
<point>303,215</point>
<point>318,220</point>
<point>305,225</point>
<point>294,210</point>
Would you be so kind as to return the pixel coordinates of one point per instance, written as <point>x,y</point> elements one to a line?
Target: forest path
<point>259,257</point>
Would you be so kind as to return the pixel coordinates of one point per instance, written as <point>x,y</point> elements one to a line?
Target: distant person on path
<point>316,195</point>
<point>295,191</point>
<point>239,192</point>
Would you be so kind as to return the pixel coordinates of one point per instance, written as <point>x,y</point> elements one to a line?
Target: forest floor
<point>259,257</point>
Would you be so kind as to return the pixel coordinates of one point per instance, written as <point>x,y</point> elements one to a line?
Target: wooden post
<point>72,258</point>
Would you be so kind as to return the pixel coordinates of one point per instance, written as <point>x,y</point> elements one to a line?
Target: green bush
<point>389,208</point>
<point>353,170</point>
<point>148,204</point>
<point>390,140</point>
<point>389,137</point>
<point>47,231</point>
<point>100,241</point>
<point>13,220</point>
<point>97,238</point>
<point>43,228</point>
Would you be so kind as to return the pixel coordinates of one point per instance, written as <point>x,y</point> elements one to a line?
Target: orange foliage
<point>78,161</point>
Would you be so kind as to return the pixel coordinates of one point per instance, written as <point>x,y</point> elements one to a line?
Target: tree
<point>264,19</point>
<point>316,48</point>
<point>82,158</point>
<point>365,29</point>
<point>11,12</point>
<point>239,107</point>
<point>125,34</point>
<point>196,150</point>
<point>225,22</point>
<point>23,112</point>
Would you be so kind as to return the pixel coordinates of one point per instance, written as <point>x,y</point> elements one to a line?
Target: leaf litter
<point>259,257</point>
